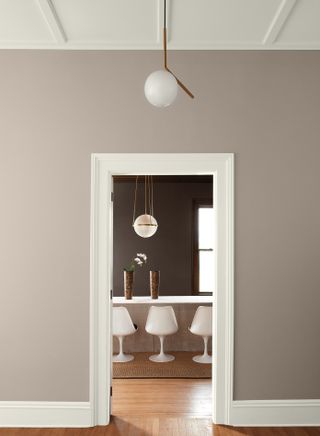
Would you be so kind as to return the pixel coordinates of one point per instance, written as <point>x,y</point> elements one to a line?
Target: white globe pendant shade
<point>161,88</point>
<point>145,226</point>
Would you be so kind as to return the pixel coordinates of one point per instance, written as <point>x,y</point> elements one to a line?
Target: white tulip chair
<point>122,326</point>
<point>161,322</point>
<point>202,326</point>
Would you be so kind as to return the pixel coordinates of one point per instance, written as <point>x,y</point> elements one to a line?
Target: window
<point>203,247</point>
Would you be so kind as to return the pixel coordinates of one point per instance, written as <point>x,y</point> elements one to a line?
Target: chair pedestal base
<point>122,358</point>
<point>161,358</point>
<point>203,358</point>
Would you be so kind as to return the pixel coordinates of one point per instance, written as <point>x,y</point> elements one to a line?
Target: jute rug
<point>182,367</point>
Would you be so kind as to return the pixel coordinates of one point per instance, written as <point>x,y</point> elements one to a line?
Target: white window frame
<point>198,204</point>
<point>106,165</point>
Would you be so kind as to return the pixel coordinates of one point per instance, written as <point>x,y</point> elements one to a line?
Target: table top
<point>175,299</point>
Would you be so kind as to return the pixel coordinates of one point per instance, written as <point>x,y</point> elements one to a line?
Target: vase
<point>154,284</point>
<point>128,278</point>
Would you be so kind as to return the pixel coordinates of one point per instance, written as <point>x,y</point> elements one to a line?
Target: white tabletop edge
<point>174,299</point>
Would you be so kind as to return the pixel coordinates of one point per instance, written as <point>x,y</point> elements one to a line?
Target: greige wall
<point>58,107</point>
<point>170,249</point>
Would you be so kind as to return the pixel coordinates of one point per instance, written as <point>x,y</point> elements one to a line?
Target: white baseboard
<point>275,413</point>
<point>45,414</point>
<point>270,413</point>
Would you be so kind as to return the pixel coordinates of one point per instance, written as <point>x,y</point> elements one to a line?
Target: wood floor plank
<point>162,396</point>
<point>220,430</point>
<point>163,426</point>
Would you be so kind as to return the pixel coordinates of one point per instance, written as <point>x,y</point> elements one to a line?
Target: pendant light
<point>161,87</point>
<point>145,225</point>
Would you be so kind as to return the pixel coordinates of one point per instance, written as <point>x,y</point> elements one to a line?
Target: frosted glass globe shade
<point>145,226</point>
<point>161,88</point>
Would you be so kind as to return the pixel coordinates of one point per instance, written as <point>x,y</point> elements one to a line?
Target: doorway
<point>104,167</point>
<point>171,285</point>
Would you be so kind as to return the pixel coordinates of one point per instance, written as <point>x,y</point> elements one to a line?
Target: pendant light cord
<point>145,194</point>
<point>148,197</point>
<point>150,194</point>
<point>152,212</point>
<point>135,201</point>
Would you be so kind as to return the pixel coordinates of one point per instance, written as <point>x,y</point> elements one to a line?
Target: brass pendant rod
<point>165,34</point>
<point>182,86</point>
<point>165,56</point>
<point>165,48</point>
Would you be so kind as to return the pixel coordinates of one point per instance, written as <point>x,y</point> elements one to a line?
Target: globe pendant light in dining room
<point>145,225</point>
<point>161,87</point>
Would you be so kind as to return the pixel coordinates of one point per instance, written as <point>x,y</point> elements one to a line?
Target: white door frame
<point>103,167</point>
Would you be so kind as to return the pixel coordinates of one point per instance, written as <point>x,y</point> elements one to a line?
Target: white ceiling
<point>137,24</point>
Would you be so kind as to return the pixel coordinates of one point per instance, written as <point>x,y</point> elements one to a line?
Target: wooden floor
<point>158,407</point>
<point>155,426</point>
<point>188,397</point>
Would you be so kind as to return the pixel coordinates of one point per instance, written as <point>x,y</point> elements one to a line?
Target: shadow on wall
<point>170,249</point>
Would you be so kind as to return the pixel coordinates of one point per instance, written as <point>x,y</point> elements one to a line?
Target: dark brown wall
<point>170,249</point>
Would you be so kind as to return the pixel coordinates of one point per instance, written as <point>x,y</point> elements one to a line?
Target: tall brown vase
<point>128,279</point>
<point>154,284</point>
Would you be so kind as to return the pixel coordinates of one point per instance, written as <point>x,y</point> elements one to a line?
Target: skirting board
<point>275,413</point>
<point>270,413</point>
<point>45,414</point>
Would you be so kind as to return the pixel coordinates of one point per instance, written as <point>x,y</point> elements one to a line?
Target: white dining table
<point>184,307</point>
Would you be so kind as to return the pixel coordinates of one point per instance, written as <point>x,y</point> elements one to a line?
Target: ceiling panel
<point>22,22</point>
<point>137,24</point>
<point>215,22</point>
<point>109,21</point>
<point>303,24</point>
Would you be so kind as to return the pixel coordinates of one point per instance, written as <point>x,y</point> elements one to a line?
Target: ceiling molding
<point>278,21</point>
<point>142,46</point>
<point>50,15</point>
